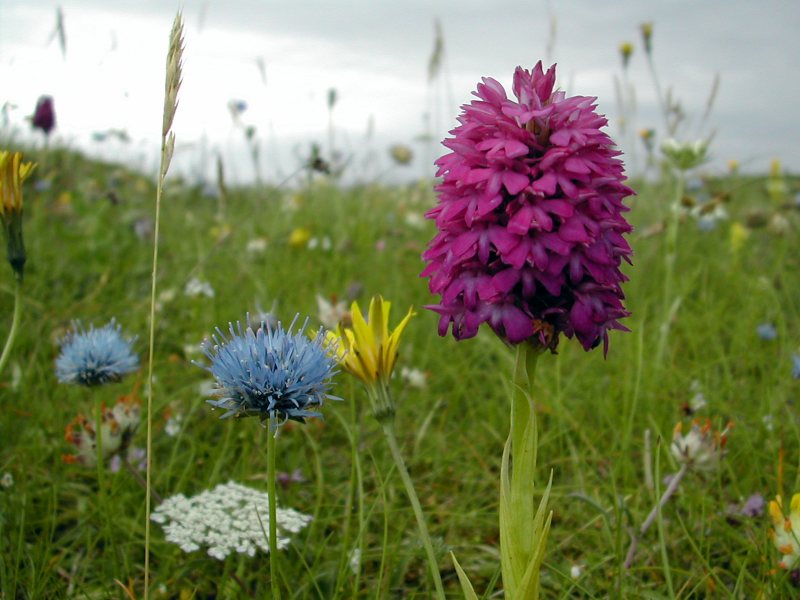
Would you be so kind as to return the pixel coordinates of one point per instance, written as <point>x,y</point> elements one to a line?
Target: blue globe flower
<point>95,356</point>
<point>270,371</point>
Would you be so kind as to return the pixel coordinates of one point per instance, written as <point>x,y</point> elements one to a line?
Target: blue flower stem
<point>12,333</point>
<point>391,439</point>
<point>274,567</point>
<point>670,256</point>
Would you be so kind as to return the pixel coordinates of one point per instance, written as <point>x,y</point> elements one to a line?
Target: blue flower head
<point>95,356</point>
<point>270,371</point>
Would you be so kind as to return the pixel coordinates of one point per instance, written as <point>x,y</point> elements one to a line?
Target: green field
<point>61,536</point>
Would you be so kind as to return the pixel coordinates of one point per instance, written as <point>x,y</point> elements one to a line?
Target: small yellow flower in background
<point>776,186</point>
<point>221,232</point>
<point>786,529</point>
<point>647,36</point>
<point>299,237</point>
<point>401,154</point>
<point>625,50</point>
<point>647,136</point>
<point>701,448</point>
<point>739,234</point>
<point>368,350</point>
<point>733,166</point>
<point>775,168</point>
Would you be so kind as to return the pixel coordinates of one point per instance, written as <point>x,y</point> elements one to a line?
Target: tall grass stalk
<point>172,85</point>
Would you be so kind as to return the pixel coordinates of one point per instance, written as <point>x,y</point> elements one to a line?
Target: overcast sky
<point>375,54</point>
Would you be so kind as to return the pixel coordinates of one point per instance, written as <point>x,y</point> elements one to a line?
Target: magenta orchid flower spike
<point>530,218</point>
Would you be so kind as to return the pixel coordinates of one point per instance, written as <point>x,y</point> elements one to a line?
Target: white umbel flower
<point>230,518</point>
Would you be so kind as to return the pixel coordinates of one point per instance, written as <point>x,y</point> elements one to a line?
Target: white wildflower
<point>575,571</point>
<point>165,297</point>
<point>701,448</point>
<point>415,220</point>
<point>7,481</point>
<point>174,424</point>
<point>323,243</point>
<point>355,560</point>
<point>414,378</point>
<point>196,287</point>
<point>331,314</point>
<point>698,400</point>
<point>769,424</point>
<point>257,245</point>
<point>230,518</point>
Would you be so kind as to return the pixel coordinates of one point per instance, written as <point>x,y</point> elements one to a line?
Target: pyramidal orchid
<point>530,218</point>
<point>530,242</point>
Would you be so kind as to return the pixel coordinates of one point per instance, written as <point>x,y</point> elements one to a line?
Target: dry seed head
<point>169,149</point>
<point>173,80</point>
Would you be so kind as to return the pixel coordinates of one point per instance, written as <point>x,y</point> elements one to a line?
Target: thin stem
<point>151,346</point>
<point>273,511</point>
<point>668,493</point>
<point>670,307</point>
<point>12,333</point>
<point>661,102</point>
<point>391,438</point>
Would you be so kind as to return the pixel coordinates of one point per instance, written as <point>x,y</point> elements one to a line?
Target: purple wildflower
<point>44,117</point>
<point>754,506</point>
<point>530,218</point>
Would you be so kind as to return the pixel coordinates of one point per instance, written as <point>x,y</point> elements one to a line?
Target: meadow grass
<point>60,538</point>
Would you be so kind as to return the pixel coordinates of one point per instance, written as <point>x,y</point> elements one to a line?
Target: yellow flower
<point>775,168</point>
<point>733,166</point>
<point>739,234</point>
<point>647,36</point>
<point>401,154</point>
<point>625,49</point>
<point>299,237</point>
<point>368,350</point>
<point>12,173</point>
<point>786,529</point>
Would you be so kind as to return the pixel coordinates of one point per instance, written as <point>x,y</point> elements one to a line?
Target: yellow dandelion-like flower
<point>785,531</point>
<point>368,349</point>
<point>12,173</point>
